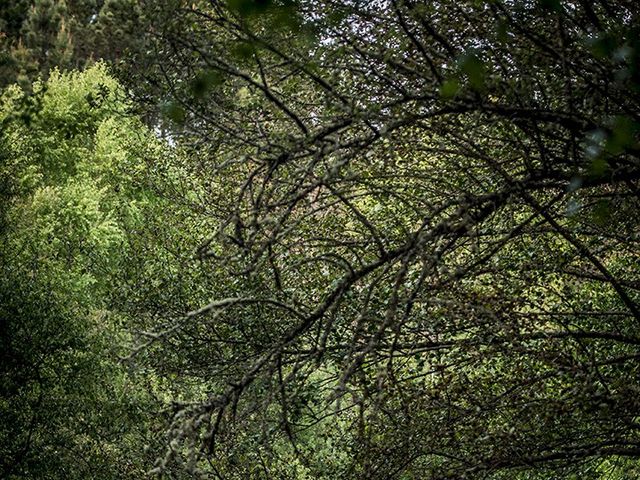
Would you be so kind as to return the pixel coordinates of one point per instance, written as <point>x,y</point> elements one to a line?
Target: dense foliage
<point>37,36</point>
<point>69,409</point>
<point>385,239</point>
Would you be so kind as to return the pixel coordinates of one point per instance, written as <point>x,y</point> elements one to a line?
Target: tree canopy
<point>383,239</point>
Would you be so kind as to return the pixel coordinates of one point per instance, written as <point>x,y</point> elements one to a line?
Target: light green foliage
<point>68,409</point>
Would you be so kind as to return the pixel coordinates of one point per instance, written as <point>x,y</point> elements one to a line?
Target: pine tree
<point>39,35</point>
<point>45,34</point>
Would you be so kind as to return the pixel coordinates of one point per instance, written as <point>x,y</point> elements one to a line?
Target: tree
<point>38,36</point>
<point>68,407</point>
<point>428,213</point>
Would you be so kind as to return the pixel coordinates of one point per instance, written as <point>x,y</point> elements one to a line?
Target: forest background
<point>319,239</point>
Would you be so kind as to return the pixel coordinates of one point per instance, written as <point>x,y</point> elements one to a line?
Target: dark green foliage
<point>38,35</point>
<point>426,214</point>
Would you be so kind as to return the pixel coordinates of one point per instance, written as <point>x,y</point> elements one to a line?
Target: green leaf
<point>598,167</point>
<point>553,5</point>
<point>502,30</point>
<point>206,81</point>
<point>602,46</point>
<point>243,50</point>
<point>174,112</point>
<point>623,136</point>
<point>602,212</point>
<point>450,88</point>
<point>249,7</point>
<point>474,68</point>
